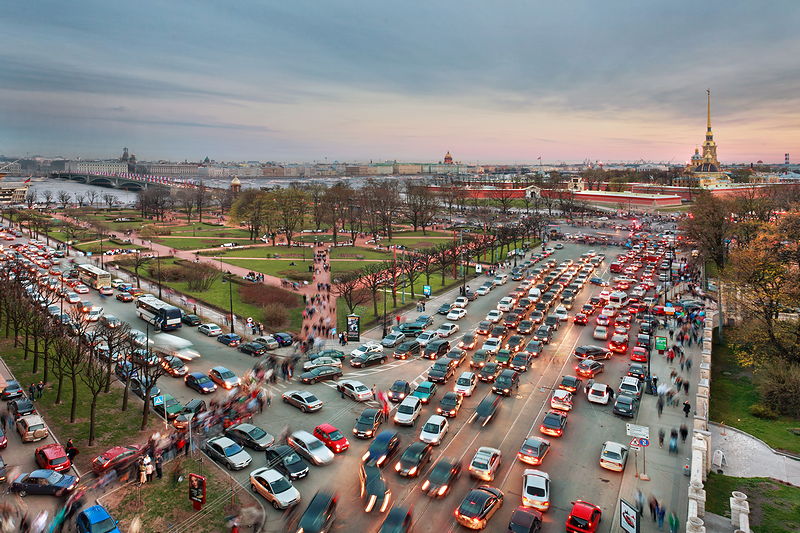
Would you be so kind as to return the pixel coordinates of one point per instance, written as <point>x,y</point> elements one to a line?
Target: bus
<point>160,314</point>
<point>94,277</point>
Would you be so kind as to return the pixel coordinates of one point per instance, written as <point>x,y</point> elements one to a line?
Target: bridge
<point>126,181</point>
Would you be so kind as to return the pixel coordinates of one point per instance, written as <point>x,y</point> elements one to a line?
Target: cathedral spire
<point>708,109</point>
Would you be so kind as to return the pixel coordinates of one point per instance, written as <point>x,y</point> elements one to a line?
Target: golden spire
<point>708,93</point>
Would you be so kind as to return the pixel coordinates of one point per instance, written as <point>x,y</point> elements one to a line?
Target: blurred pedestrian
<point>661,435</point>
<point>674,522</point>
<point>660,515</point>
<point>687,407</point>
<point>660,405</point>
<point>159,466</point>
<point>653,504</point>
<point>684,432</point>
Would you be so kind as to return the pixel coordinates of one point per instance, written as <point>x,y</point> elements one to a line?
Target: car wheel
<point>22,493</point>
<point>303,408</point>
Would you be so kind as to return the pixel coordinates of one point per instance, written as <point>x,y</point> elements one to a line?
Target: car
<point>480,358</point>
<point>447,329</point>
<point>46,482</point>
<point>321,361</point>
<point>536,489</point>
<point>407,349</point>
<point>274,487</point>
<point>553,423</point>
<point>425,337</point>
<point>639,354</point>
<point>520,362</point>
<point>374,488</point>
<point>96,519</point>
<point>425,391</point>
<point>110,321</point>
<point>456,314</point>
<point>561,400</point>
<point>52,457</point>
<point>229,339</point>
<point>408,411</point>
<point>320,515</point>
<point>12,390</point>
<point>368,423</point>
<point>368,359</point>
<point>227,452</point>
<point>331,354</point>
<point>399,390</point>
<point>224,378</point>
<point>533,450</point>
<point>561,313</point>
<point>124,297</point>
<point>590,351</point>
<point>589,368</point>
<point>191,320</point>
<point>355,390</point>
<point>382,448</point>
<point>210,330</point>
<point>637,371</point>
<point>117,458</point>
<point>543,334</point>
<point>286,461</point>
<point>483,290</point>
<point>506,382</point>
<point>630,385</point>
<point>584,517</point>
<point>414,459</point>
<point>249,435</point>
<point>21,407</point>
<point>525,520</point>
<point>494,316</point>
<point>393,339</point>
<point>444,309</point>
<point>310,448</point>
<point>81,289</point>
<point>600,333</point>
<point>626,405</point>
<point>321,373</point>
<point>483,327</point>
<point>174,366</point>
<point>485,463</point>
<point>580,319</point>
<point>442,477</point>
<point>434,430</point>
<point>442,370</point>
<point>515,343</point>
<point>618,343</point>
<point>364,349</point>
<point>489,372</point>
<point>461,301</point>
<point>613,456</point>
<point>169,407</point>
<point>200,382</point>
<point>31,428</point>
<point>253,348</point>
<point>331,437</point>
<point>569,383</point>
<point>72,298</point>
<point>478,507</point>
<point>269,342</point>
<point>284,339</point>
<point>303,400</point>
<point>599,393</point>
<point>603,321</point>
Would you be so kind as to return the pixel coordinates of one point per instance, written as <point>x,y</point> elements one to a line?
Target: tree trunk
<point>35,354</point>
<point>46,363</point>
<point>59,389</point>
<point>74,406</point>
<point>146,410</point>
<point>125,395</point>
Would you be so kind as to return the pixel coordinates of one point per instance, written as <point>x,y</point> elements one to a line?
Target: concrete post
<point>705,356</point>
<point>706,344</point>
<point>695,525</point>
<point>698,495</point>
<point>739,509</point>
<point>705,371</point>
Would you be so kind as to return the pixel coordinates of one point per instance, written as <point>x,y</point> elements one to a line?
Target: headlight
<point>412,471</point>
<point>426,485</point>
<point>442,490</point>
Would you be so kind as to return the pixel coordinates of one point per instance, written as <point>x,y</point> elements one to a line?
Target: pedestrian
<point>32,391</point>
<point>142,472</point>
<point>39,389</point>
<point>686,387</point>
<point>684,432</point>
<point>661,435</point>
<point>686,408</point>
<point>660,514</point>
<point>674,522</point>
<point>653,504</point>
<point>159,466</point>
<point>149,468</point>
<point>660,405</point>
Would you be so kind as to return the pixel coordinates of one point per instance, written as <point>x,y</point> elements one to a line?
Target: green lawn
<point>428,233</point>
<point>732,394</point>
<point>196,243</point>
<point>113,425</point>
<point>313,237</point>
<point>774,507</point>
<point>416,243</point>
<point>84,235</point>
<point>208,230</point>
<point>358,252</point>
<point>278,268</point>
<point>264,251</point>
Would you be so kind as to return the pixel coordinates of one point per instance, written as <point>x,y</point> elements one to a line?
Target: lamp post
<point>228,278</point>
<point>384,310</point>
<point>158,265</point>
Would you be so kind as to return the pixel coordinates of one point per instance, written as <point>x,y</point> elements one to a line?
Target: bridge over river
<point>126,181</point>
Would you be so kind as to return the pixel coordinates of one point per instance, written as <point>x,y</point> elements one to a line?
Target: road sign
<point>426,290</point>
<point>478,268</point>
<point>661,343</point>
<point>629,517</point>
<point>634,430</point>
<point>158,400</point>
<point>636,442</point>
<point>644,442</point>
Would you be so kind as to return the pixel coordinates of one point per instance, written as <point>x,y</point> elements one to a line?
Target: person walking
<point>684,431</point>
<point>687,407</point>
<point>653,504</point>
<point>142,472</point>
<point>661,513</point>
<point>149,468</point>
<point>159,466</point>
<point>660,405</point>
<point>661,435</point>
<point>674,522</point>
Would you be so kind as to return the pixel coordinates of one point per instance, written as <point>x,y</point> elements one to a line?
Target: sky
<point>346,80</point>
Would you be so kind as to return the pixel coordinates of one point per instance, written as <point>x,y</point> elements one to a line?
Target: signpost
<point>478,268</point>
<point>197,491</point>
<point>426,290</point>
<point>629,517</point>
<point>159,400</point>
<point>641,439</point>
<point>633,430</point>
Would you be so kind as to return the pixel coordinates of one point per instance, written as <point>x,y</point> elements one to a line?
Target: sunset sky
<point>310,80</point>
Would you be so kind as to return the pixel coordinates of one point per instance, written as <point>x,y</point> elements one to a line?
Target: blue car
<point>284,339</point>
<point>229,339</point>
<point>47,482</point>
<point>200,382</point>
<point>96,519</point>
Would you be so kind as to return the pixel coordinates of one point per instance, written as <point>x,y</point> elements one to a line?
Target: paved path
<point>747,456</point>
<point>321,301</point>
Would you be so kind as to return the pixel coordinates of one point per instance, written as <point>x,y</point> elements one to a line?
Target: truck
<point>166,344</point>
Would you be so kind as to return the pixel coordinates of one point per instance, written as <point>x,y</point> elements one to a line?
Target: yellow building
<point>704,169</point>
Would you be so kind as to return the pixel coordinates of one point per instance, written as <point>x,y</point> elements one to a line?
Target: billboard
<point>353,328</point>
<point>197,488</point>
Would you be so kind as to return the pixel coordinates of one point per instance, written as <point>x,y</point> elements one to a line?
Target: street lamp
<point>228,278</point>
<point>384,310</point>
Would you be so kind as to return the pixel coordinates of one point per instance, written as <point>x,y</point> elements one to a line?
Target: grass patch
<point>196,243</point>
<point>209,230</point>
<point>278,268</point>
<point>359,252</point>
<point>774,506</point>
<point>313,237</point>
<point>162,504</point>
<point>264,251</point>
<point>340,267</point>
<point>113,425</point>
<point>733,392</point>
<point>428,233</point>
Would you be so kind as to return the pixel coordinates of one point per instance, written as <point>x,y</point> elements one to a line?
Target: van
<point>506,382</point>
<point>411,329</point>
<point>500,279</point>
<point>618,299</point>
<point>32,428</point>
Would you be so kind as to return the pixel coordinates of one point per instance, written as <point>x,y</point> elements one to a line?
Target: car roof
<point>220,369</point>
<point>95,513</point>
<point>222,441</point>
<point>613,446</point>
<point>52,451</point>
<point>268,474</point>
<point>327,428</point>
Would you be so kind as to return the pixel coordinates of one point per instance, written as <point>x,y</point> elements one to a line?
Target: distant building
<point>448,159</point>
<point>13,193</point>
<point>170,169</point>
<point>704,169</point>
<point>96,167</point>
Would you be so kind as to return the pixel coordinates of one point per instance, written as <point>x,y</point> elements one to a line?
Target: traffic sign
<point>637,442</point>
<point>644,442</point>
<point>478,268</point>
<point>634,430</point>
<point>158,400</point>
<point>661,343</point>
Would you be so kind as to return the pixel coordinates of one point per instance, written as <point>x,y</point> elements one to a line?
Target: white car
<point>434,430</point>
<point>94,314</point>
<point>425,337</point>
<point>505,304</point>
<point>447,329</point>
<point>494,316</point>
<point>310,447</point>
<point>482,290</point>
<point>599,393</point>
<point>274,487</point>
<point>211,330</point>
<point>116,282</point>
<point>536,489</point>
<point>408,411</point>
<point>354,389</point>
<point>562,313</point>
<point>613,456</point>
<point>561,400</point>
<point>630,386</point>
<point>364,349</point>
<point>492,345</point>
<point>485,463</point>
<point>321,361</point>
<point>81,289</point>
<point>600,333</point>
<point>461,301</point>
<point>268,341</point>
<point>456,314</point>
<point>466,383</point>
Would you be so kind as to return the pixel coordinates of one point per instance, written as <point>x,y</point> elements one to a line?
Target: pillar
<point>698,495</point>
<point>739,509</point>
<point>695,525</point>
<point>705,371</point>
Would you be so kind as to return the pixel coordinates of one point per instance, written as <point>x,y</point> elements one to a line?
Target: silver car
<point>274,487</point>
<point>310,447</point>
<point>227,452</point>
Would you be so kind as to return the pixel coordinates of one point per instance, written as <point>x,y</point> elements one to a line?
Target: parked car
<point>227,452</point>
<point>211,330</point>
<point>44,482</point>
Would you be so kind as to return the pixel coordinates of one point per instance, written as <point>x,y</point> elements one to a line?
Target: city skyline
<point>357,81</point>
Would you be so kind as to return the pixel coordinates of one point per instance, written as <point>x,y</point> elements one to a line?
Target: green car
<point>480,358</point>
<point>170,406</point>
<point>333,354</point>
<point>425,391</point>
<point>503,357</point>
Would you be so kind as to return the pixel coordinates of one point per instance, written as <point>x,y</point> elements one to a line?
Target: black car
<point>399,390</point>
<point>368,359</point>
<point>498,332</point>
<point>543,334</point>
<point>253,348</point>
<point>534,348</point>
<point>21,407</point>
<point>321,373</point>
<point>525,327</point>
<point>436,349</point>
<point>449,404</point>
<point>374,489</point>
<point>407,349</point>
<point>625,406</point>
<point>589,368</point>
<point>480,358</point>
<point>368,423</point>
<point>525,520</point>
<point>398,520</point>
<point>382,448</point>
<point>537,317</point>
<point>191,320</point>
<point>478,506</point>
<point>553,423</point>
<point>441,371</point>
<point>591,351</point>
<point>47,482</point>
<point>333,354</point>
<point>441,477</point>
<point>484,327</point>
<point>520,362</point>
<point>514,343</point>
<point>444,309</point>
<point>487,409</point>
<point>637,370</point>
<point>489,372</point>
<point>320,514</point>
<point>12,390</point>
<point>458,355</point>
<point>414,459</point>
<point>286,461</point>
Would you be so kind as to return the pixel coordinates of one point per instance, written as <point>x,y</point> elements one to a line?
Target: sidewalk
<point>748,456</point>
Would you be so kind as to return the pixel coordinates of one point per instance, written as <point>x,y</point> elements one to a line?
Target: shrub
<point>780,388</point>
<point>169,273</point>
<point>275,315</point>
<point>762,411</point>
<point>263,295</point>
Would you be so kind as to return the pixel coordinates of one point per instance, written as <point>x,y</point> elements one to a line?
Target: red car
<point>584,517</point>
<point>637,308</point>
<point>331,437</point>
<point>116,457</point>
<point>639,354</point>
<point>52,457</point>
<point>581,319</point>
<point>124,297</point>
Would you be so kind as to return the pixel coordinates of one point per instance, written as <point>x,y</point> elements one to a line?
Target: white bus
<point>160,314</point>
<point>94,277</point>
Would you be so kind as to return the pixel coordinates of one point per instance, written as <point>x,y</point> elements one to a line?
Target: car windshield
<point>405,409</point>
<point>291,459</point>
<point>280,485</point>
<point>440,473</point>
<point>463,381</point>
<point>202,380</point>
<point>232,449</point>
<point>257,433</point>
<point>335,435</point>
<point>611,455</point>
<point>481,463</point>
<point>227,375</point>
<point>366,418</point>
<point>430,427</point>
<point>104,526</point>
<point>577,521</point>
<point>534,490</point>
<point>53,477</point>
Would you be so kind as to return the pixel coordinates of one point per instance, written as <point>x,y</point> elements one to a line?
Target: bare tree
<point>110,199</point>
<point>47,196</point>
<point>148,375</point>
<point>373,276</point>
<point>30,198</point>
<point>185,199</point>
<point>64,198</point>
<point>292,209</point>
<point>138,261</point>
<point>349,288</point>
<point>80,198</point>
<point>93,196</point>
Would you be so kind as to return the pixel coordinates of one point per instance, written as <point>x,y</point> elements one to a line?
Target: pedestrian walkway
<point>747,456</point>
<point>319,316</point>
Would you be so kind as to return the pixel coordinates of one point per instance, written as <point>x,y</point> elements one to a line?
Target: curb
<point>788,455</point>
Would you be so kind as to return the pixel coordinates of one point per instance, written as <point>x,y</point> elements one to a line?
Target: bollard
<point>695,525</point>
<point>739,507</point>
<point>698,495</point>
